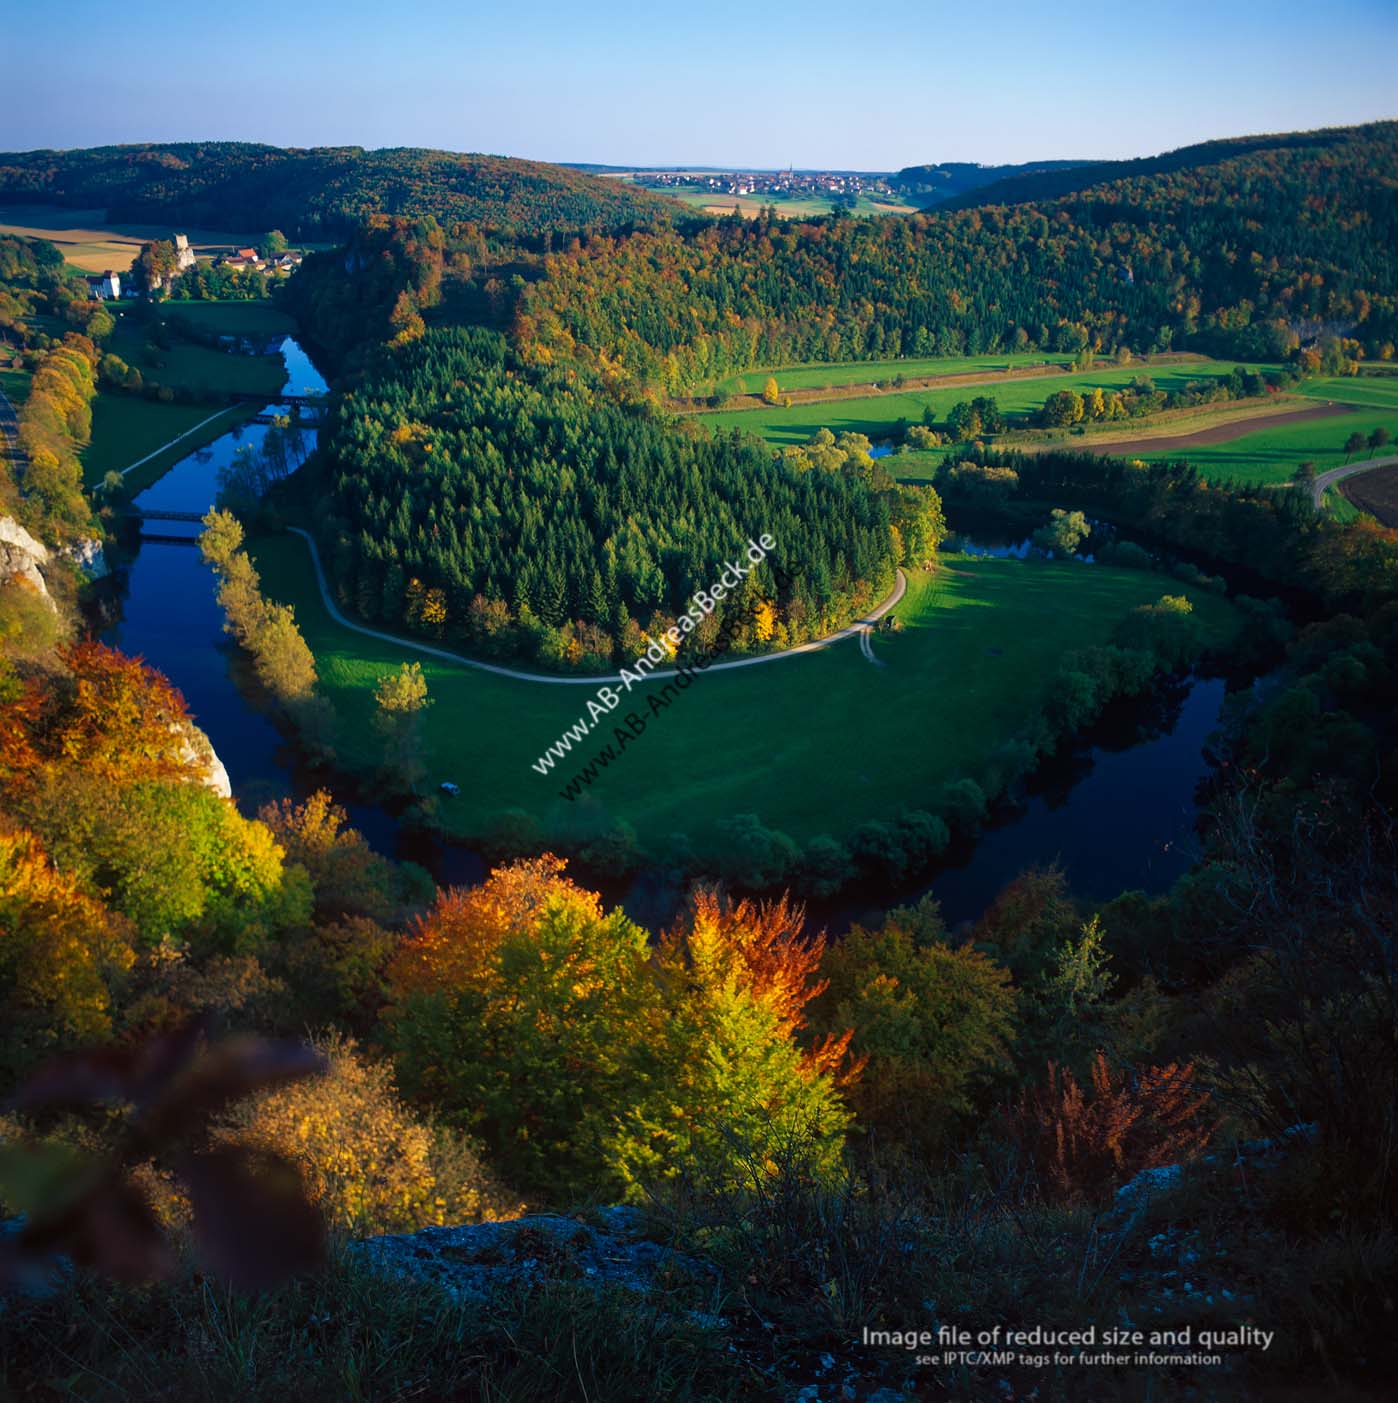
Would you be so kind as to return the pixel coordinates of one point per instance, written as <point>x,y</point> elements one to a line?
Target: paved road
<point>1329,479</point>
<point>858,627</point>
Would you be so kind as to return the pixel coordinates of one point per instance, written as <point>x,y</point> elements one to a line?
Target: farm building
<point>104,288</point>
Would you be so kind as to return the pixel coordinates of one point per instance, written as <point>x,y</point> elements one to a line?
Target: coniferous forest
<point>481,496</point>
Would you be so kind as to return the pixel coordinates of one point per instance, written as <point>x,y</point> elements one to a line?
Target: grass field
<point>822,377</point>
<point>801,205</point>
<point>815,743</point>
<point>233,318</point>
<point>187,365</point>
<point>1273,454</point>
<point>15,384</point>
<point>877,415</point>
<point>125,428</point>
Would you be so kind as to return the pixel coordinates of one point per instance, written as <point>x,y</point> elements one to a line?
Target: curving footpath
<point>178,438</point>
<point>1328,480</point>
<point>849,631</point>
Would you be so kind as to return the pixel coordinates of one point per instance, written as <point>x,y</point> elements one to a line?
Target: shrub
<point>1063,533</point>
<point>1085,1143</point>
<point>1165,629</point>
<point>752,854</point>
<point>368,1163</point>
<point>1125,555</point>
<point>826,866</point>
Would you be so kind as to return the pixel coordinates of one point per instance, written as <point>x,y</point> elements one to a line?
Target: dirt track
<point>1204,438</point>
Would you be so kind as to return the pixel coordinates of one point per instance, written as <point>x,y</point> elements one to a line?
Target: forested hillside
<point>471,497</point>
<point>1050,180</point>
<point>939,182</point>
<point>321,192</point>
<point>1244,257</point>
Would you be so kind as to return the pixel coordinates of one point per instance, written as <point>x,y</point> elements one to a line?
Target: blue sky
<point>868,85</point>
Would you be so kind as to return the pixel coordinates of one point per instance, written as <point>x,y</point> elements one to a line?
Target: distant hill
<point>1237,248</point>
<point>321,192</point>
<point>935,185</point>
<point>1053,180</point>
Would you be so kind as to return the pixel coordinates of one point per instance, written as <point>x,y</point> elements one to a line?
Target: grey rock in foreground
<point>607,1248</point>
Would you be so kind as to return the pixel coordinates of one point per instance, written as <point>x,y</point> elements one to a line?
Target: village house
<point>104,288</point>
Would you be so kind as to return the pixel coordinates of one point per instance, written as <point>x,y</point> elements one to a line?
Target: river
<point>1117,811</point>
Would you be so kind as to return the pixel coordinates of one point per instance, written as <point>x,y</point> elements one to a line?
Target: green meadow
<point>252,318</point>
<point>15,384</point>
<point>878,415</point>
<point>880,372</point>
<point>125,428</point>
<point>789,741</point>
<point>190,366</point>
<point>1275,453</point>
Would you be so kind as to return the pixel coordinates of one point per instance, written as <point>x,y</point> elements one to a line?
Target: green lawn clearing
<point>188,365</point>
<point>811,744</point>
<point>252,318</point>
<point>126,428</point>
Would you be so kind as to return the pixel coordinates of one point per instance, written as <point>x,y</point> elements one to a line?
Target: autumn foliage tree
<point>55,423</point>
<point>737,978</point>
<point>369,1163</point>
<point>528,1014</point>
<point>933,1024</point>
<point>59,950</point>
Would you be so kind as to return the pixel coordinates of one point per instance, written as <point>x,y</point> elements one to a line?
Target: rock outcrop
<point>21,555</point>
<point>89,557</point>
<point>199,750</point>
